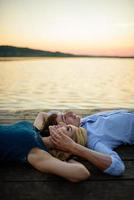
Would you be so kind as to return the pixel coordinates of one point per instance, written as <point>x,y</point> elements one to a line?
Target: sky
<point>92,27</point>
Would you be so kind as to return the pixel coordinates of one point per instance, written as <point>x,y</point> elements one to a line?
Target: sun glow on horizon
<point>84,27</point>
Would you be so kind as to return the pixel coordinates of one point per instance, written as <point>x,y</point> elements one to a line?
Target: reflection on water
<point>62,83</point>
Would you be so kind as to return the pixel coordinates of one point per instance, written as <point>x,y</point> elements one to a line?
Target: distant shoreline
<point>19,52</point>
<point>13,58</point>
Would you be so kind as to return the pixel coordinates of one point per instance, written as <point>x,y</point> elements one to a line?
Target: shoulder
<point>37,155</point>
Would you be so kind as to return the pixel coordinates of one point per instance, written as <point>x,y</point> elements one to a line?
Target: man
<point>106,131</point>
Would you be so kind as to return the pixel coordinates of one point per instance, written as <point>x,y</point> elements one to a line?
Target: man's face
<point>69,118</point>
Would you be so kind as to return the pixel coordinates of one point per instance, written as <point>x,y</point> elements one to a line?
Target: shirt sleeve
<point>117,166</point>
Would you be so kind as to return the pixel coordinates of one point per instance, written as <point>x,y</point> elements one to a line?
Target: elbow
<point>84,174</point>
<point>120,171</point>
<point>41,114</point>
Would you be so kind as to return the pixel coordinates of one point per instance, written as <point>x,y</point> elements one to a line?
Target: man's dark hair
<point>51,120</point>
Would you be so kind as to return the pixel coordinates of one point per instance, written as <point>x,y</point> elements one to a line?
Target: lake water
<point>66,83</point>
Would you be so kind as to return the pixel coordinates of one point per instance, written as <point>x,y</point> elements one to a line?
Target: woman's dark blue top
<point>16,140</point>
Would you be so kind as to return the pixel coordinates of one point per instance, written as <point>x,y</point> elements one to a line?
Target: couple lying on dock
<point>48,143</point>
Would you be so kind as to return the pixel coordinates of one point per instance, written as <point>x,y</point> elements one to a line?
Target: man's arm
<point>102,157</point>
<point>40,120</point>
<point>100,160</point>
<point>44,162</point>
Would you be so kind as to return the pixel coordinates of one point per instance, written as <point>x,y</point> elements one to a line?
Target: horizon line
<point>68,53</point>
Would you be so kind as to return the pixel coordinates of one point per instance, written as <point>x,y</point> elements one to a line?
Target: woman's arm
<point>44,162</point>
<point>40,120</point>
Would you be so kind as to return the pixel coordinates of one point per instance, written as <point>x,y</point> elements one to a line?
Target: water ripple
<point>67,83</point>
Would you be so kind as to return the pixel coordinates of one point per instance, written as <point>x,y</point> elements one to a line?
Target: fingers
<point>56,138</point>
<point>59,139</point>
<point>55,142</point>
<point>57,133</point>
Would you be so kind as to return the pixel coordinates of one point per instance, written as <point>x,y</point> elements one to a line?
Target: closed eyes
<point>69,128</point>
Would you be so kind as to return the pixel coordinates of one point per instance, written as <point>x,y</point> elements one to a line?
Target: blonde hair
<point>80,137</point>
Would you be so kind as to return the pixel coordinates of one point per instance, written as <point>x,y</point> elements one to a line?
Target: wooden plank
<point>23,173</point>
<point>126,152</point>
<point>112,190</point>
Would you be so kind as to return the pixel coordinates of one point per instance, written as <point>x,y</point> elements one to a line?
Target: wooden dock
<point>19,182</point>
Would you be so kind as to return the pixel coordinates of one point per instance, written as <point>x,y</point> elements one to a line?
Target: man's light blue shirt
<point>106,131</point>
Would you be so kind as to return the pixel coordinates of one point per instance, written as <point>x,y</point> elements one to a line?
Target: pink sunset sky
<point>99,27</point>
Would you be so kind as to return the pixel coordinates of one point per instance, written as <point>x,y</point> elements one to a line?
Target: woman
<point>22,142</point>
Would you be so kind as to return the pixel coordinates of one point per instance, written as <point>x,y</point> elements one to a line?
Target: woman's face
<point>67,129</point>
<point>69,118</point>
